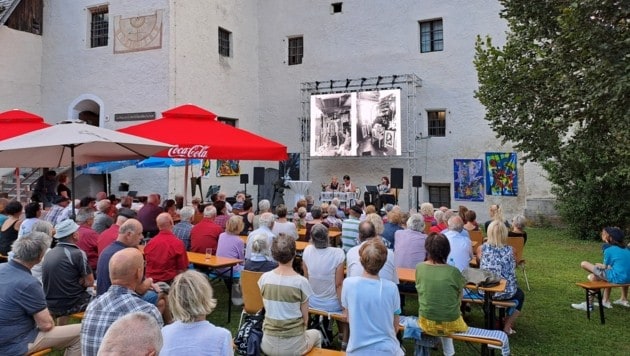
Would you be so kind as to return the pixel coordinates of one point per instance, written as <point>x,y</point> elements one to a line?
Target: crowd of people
<point>55,261</point>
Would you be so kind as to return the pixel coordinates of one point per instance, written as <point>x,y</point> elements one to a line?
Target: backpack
<point>249,334</point>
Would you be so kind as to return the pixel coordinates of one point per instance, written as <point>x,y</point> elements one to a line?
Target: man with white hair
<point>88,238</point>
<point>26,325</point>
<point>266,225</point>
<point>146,338</point>
<point>205,234</point>
<point>264,206</point>
<point>102,220</point>
<point>184,226</point>
<point>461,246</point>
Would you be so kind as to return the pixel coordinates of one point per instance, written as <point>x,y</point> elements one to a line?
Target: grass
<point>547,325</point>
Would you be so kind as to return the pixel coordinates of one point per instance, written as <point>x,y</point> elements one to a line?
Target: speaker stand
<point>417,200</point>
<point>245,189</point>
<point>396,196</point>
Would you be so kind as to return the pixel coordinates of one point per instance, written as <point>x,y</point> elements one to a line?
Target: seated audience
<point>518,228</point>
<point>442,220</point>
<point>409,243</point>
<point>11,226</point>
<point>439,287</point>
<point>299,218</point>
<point>331,219</point>
<point>471,221</point>
<point>48,229</point>
<point>240,199</point>
<point>230,243</point>
<point>88,238</point>
<point>260,260</point>
<point>393,224</point>
<point>32,213</point>
<point>285,295</point>
<point>350,229</point>
<point>461,245</point>
<point>222,214</point>
<point>206,233</point>
<point>247,216</point>
<point>111,234</point>
<point>191,301</point>
<point>148,213</point>
<point>379,227</point>
<point>498,257</point>
<point>146,338</point>
<point>102,220</point>
<point>427,210</point>
<point>373,321</point>
<point>615,269</point>
<point>26,325</point>
<point>66,273</point>
<point>183,228</point>
<point>266,226</point>
<point>316,214</point>
<point>264,206</point>
<point>282,225</point>
<point>496,213</point>
<point>126,269</point>
<point>353,260</point>
<point>165,254</point>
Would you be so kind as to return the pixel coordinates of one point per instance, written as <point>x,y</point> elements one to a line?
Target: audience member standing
<point>148,213</point>
<point>66,272</point>
<point>55,214</point>
<point>206,233</point>
<point>191,302</point>
<point>165,253</point>
<point>26,325</point>
<point>285,295</point>
<point>45,188</point>
<point>88,238</point>
<point>125,271</point>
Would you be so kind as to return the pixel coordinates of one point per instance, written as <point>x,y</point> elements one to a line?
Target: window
<point>296,50</point>
<point>440,195</point>
<point>336,7</point>
<point>227,121</point>
<point>225,38</point>
<point>437,123</point>
<point>99,26</point>
<point>431,38</point>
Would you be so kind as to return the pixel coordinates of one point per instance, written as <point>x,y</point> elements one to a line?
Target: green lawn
<point>548,325</point>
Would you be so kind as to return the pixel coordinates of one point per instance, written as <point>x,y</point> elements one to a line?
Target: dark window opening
<point>336,7</point>
<point>99,27</point>
<point>225,37</point>
<point>437,123</point>
<point>296,50</point>
<point>431,36</point>
<point>440,195</point>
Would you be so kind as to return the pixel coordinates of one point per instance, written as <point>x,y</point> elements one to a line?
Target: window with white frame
<point>296,50</point>
<point>99,26</point>
<point>436,120</point>
<point>225,41</point>
<point>431,36</point>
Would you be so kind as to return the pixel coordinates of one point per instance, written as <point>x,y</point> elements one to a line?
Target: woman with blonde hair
<point>498,257</point>
<point>191,301</point>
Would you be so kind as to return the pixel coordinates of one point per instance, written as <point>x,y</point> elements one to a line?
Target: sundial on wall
<point>139,33</point>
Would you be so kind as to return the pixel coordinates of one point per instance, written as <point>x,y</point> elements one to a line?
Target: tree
<point>559,90</point>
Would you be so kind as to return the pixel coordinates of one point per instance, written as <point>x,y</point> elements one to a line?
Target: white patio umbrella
<point>74,142</point>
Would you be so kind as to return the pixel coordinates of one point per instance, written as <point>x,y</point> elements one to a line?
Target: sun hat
<point>65,229</point>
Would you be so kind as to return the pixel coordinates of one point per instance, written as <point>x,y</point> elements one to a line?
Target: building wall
<point>20,71</point>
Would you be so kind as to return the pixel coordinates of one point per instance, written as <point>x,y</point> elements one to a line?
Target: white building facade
<point>242,60</point>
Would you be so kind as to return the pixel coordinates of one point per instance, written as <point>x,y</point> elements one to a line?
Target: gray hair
<point>209,211</point>
<point>335,201</point>
<point>31,247</point>
<point>438,215</point>
<point>519,221</point>
<point>43,226</point>
<point>266,219</point>
<point>260,245</point>
<point>319,236</point>
<point>145,338</point>
<point>316,212</point>
<point>186,213</point>
<point>264,205</point>
<point>416,222</point>
<point>332,209</point>
<point>447,215</point>
<point>191,296</point>
<point>83,215</point>
<point>455,223</point>
<point>103,205</point>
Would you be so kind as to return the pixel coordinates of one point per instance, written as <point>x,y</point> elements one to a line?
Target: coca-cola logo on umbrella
<point>196,151</point>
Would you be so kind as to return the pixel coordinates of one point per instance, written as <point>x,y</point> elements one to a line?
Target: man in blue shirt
<point>26,325</point>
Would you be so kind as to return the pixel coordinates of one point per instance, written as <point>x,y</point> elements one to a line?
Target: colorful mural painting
<point>501,174</point>
<point>228,168</point>
<point>468,179</point>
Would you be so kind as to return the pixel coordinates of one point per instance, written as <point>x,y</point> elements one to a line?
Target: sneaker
<point>580,306</point>
<point>624,303</point>
<point>606,305</point>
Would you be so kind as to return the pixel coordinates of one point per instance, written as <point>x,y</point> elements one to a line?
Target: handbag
<point>249,334</point>
<point>481,277</point>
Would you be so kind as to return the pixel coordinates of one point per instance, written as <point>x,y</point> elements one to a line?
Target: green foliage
<point>558,89</point>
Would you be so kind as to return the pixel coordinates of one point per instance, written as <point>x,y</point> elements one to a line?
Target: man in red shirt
<point>206,233</point>
<point>88,238</point>
<point>165,253</point>
<point>110,234</point>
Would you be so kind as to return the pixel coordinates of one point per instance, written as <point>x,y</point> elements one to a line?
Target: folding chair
<point>517,244</point>
<point>252,299</point>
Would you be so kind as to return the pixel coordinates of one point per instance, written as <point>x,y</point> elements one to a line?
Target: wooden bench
<point>479,340</point>
<point>41,352</point>
<point>502,305</point>
<point>316,351</point>
<point>595,289</point>
<point>332,316</point>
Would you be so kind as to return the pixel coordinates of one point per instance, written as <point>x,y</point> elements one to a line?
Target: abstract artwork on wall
<point>468,179</point>
<point>501,174</point>
<point>228,168</point>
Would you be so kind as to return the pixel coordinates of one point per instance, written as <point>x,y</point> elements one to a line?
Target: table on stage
<point>300,188</point>
<point>409,275</point>
<point>214,262</point>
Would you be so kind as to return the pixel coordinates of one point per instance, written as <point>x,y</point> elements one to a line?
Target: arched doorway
<point>88,108</point>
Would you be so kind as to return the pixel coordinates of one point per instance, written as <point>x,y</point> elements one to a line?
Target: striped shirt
<point>283,297</point>
<point>350,233</point>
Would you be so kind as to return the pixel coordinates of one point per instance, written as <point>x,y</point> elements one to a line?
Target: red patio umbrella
<point>197,133</point>
<point>17,122</point>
